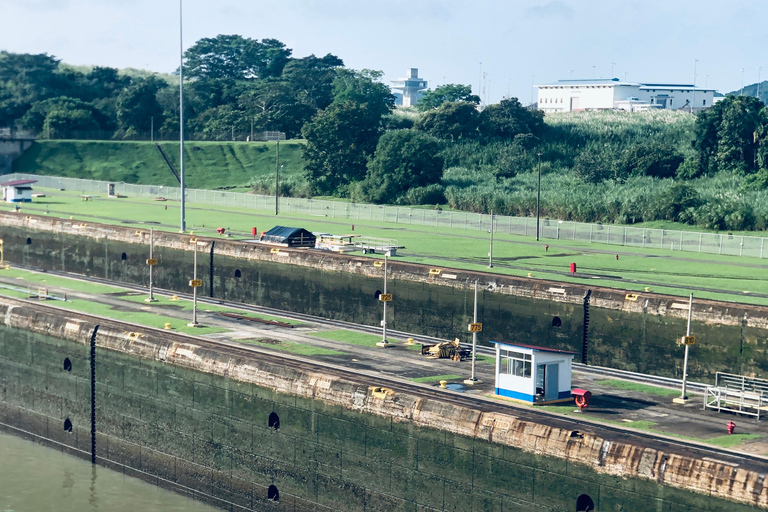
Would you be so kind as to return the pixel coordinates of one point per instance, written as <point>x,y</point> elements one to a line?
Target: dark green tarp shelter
<point>292,237</point>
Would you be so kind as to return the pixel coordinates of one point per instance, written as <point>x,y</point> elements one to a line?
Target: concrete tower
<point>410,86</point>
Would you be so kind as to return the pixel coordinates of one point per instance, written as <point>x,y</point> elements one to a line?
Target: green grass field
<point>728,278</point>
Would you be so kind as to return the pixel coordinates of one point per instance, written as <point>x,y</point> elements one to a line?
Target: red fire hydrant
<point>731,427</point>
<point>546,248</point>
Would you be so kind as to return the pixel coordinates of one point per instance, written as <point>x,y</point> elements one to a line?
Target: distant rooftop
<point>616,81</point>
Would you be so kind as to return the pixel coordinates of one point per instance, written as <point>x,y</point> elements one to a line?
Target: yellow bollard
<point>409,341</point>
<point>647,289</point>
<point>530,275</point>
<point>167,325</point>
<point>175,297</point>
<point>443,383</point>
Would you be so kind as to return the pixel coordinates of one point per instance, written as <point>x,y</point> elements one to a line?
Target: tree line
<point>445,151</point>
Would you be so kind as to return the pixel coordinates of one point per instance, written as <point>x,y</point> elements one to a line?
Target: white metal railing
<point>711,243</point>
<point>736,400</point>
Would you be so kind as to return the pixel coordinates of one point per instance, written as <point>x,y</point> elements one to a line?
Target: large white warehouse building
<point>613,94</point>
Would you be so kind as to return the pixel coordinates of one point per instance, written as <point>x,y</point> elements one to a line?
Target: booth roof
<point>534,347</point>
<point>17,183</point>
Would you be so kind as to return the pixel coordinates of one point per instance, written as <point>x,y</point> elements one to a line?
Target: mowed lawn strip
<point>351,337</point>
<point>436,378</point>
<point>664,271</point>
<point>294,348</point>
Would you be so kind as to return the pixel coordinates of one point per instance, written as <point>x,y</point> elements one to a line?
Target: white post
<point>183,223</point>
<point>472,379</point>
<point>384,342</point>
<point>490,250</point>
<point>683,399</point>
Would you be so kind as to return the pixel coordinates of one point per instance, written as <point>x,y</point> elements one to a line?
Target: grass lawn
<point>293,348</point>
<point>48,280</point>
<point>437,378</point>
<point>643,388</point>
<point>355,338</point>
<point>663,271</point>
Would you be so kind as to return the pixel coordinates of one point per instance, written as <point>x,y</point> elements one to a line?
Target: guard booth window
<point>515,363</point>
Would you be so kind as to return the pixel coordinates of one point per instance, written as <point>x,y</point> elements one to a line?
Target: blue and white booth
<point>532,374</point>
<point>17,191</point>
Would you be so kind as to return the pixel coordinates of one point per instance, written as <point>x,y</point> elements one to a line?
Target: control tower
<point>410,86</point>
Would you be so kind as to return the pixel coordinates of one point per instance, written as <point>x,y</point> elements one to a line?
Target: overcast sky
<point>651,40</point>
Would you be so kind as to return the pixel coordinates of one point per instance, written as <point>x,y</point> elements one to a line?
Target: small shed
<point>533,374</point>
<point>289,237</point>
<point>17,191</point>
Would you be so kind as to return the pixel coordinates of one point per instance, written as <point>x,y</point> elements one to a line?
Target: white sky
<point>651,40</point>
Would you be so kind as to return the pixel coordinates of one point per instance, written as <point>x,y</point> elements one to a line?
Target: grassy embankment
<point>207,165</point>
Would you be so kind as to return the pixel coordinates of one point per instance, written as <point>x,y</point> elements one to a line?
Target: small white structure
<point>17,191</point>
<point>410,85</point>
<point>614,94</point>
<point>532,374</point>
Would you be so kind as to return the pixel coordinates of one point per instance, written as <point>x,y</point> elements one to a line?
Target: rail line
<point>608,432</point>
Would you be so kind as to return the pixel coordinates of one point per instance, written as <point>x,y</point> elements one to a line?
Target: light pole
<point>683,398</point>
<point>384,298</point>
<point>613,64</point>
<point>706,81</point>
<point>538,197</point>
<point>480,86</point>
<point>183,225</point>
<point>474,328</point>
<point>693,99</point>
<point>625,76</point>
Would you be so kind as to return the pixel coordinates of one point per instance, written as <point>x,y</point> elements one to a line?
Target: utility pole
<point>195,284</point>
<point>277,176</point>
<point>538,197</point>
<point>474,327</point>
<point>693,100</point>
<point>683,398</point>
<point>490,251</point>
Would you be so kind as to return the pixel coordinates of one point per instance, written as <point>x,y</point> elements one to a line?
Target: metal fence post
<point>700,235</point>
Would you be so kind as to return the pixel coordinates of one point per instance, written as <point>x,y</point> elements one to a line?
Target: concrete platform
<point>640,409</point>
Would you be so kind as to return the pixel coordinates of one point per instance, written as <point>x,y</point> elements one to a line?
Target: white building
<point>17,191</point>
<point>410,87</point>
<point>613,94</point>
<point>532,374</point>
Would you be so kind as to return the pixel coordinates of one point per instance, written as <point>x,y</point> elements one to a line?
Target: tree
<point>364,87</point>
<point>447,93</point>
<point>652,159</point>
<point>137,105</point>
<point>340,140</point>
<point>592,166</point>
<point>311,79</point>
<point>235,57</point>
<point>404,159</point>
<point>24,80</point>
<point>454,121</point>
<point>726,137</point>
<point>508,118</point>
<point>52,114</point>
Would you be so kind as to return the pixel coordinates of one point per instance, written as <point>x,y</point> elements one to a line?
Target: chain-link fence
<point>712,243</point>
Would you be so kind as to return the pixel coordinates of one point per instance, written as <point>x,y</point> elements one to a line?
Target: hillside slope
<point>210,165</point>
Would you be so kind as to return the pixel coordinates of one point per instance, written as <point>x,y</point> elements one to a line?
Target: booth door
<point>552,383</point>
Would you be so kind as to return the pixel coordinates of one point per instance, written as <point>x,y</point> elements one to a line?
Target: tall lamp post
<point>277,176</point>
<point>538,197</point>
<point>384,297</point>
<point>183,225</point>
<point>474,328</point>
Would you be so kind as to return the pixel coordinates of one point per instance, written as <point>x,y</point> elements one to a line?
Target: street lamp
<point>384,297</point>
<point>687,341</point>
<point>538,197</point>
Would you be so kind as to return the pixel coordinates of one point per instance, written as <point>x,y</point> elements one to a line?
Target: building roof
<point>17,183</point>
<point>295,237</point>
<point>534,347</point>
<point>616,81</point>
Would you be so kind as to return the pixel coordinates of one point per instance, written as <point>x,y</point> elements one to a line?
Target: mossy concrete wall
<point>195,417</point>
<point>636,333</point>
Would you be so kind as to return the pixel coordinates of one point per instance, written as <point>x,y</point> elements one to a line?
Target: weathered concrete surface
<point>707,311</point>
<point>436,420</point>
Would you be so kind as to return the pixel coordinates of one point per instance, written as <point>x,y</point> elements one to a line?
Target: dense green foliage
<point>447,93</point>
<point>709,169</point>
<point>404,160</point>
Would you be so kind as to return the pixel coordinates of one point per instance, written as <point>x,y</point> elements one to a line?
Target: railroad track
<point>475,402</point>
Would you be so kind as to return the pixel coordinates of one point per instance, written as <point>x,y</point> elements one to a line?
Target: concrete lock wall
<point>637,332</point>
<point>201,420</point>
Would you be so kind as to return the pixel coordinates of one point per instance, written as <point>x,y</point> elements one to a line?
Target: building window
<point>515,363</point>
<point>703,103</point>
